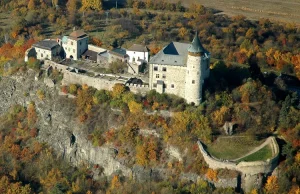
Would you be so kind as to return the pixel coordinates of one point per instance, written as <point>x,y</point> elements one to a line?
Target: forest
<point>253,63</point>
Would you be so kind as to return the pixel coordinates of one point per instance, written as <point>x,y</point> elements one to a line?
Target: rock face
<point>58,128</point>
<point>228,128</point>
<point>56,124</point>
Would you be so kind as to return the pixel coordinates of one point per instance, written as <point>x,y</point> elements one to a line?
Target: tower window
<point>155,68</point>
<point>157,75</point>
<point>172,86</point>
<point>193,81</point>
<point>164,69</point>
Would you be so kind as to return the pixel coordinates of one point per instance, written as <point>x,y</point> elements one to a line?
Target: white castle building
<point>180,69</point>
<point>75,44</point>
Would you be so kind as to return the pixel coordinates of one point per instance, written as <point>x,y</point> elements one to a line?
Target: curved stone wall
<point>245,167</point>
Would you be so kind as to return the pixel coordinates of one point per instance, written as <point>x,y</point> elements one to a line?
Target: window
<point>71,42</point>
<point>80,42</point>
<point>155,68</point>
<point>193,81</point>
<point>73,50</point>
<point>172,86</point>
<point>42,55</point>
<point>164,76</point>
<point>164,69</point>
<point>157,75</point>
<point>154,85</point>
<point>197,72</point>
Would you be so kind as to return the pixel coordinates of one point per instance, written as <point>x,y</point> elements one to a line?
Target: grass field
<point>230,148</point>
<point>284,11</point>
<point>261,155</point>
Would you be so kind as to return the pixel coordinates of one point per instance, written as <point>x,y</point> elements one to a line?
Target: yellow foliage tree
<point>221,115</point>
<point>31,4</point>
<point>135,107</point>
<point>272,185</point>
<point>31,115</point>
<point>141,155</point>
<point>115,182</point>
<point>118,90</point>
<point>183,32</point>
<point>91,4</point>
<point>53,177</point>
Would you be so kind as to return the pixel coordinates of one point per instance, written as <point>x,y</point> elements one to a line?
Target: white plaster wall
<point>73,47</point>
<point>96,48</point>
<point>173,75</point>
<point>193,91</point>
<point>47,54</point>
<point>137,55</point>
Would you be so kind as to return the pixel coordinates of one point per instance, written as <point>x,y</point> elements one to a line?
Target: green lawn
<point>261,155</point>
<point>230,148</point>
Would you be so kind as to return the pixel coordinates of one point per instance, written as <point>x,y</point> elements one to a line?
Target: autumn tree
<point>118,90</point>
<point>141,154</point>
<point>135,107</point>
<point>221,115</point>
<point>271,185</point>
<point>84,102</point>
<point>212,174</point>
<point>53,177</point>
<point>115,182</point>
<point>91,4</point>
<point>32,4</point>
<point>31,115</point>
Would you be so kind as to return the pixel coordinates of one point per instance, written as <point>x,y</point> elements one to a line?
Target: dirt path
<point>254,150</point>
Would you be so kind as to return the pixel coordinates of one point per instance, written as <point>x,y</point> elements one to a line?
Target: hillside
<point>283,11</point>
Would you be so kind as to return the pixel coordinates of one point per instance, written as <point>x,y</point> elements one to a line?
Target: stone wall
<point>105,81</point>
<point>245,167</point>
<point>250,170</point>
<point>59,67</point>
<point>98,83</point>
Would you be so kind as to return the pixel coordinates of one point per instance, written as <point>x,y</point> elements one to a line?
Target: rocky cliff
<point>56,123</point>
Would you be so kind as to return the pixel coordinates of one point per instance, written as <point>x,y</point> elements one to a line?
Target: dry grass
<point>283,11</point>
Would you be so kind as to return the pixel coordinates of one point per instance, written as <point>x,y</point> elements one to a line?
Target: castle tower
<point>197,69</point>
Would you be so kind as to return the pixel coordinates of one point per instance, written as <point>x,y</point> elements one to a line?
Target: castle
<point>180,69</point>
